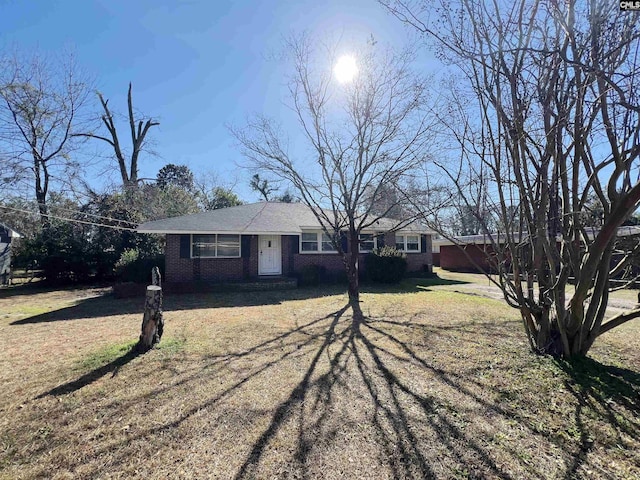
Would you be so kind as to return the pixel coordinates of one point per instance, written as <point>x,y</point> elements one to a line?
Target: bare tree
<point>40,101</point>
<point>363,135</point>
<point>262,186</point>
<point>386,198</point>
<point>138,130</point>
<point>553,119</point>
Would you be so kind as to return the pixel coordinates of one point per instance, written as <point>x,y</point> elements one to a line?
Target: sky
<point>197,66</point>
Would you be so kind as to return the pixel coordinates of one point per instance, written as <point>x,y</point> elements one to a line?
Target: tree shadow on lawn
<point>90,377</point>
<point>108,305</point>
<point>395,399</point>
<point>601,388</point>
<point>414,427</point>
<point>410,285</point>
<point>31,289</point>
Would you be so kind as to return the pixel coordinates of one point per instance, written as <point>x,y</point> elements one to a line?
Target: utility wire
<point>115,227</point>
<point>79,212</point>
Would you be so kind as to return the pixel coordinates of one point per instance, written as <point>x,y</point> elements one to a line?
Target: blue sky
<point>196,65</point>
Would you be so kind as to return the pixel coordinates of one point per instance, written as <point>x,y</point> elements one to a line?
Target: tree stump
<point>152,321</point>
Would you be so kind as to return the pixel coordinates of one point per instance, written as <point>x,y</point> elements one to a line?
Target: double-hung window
<point>215,246</point>
<point>327,244</point>
<point>408,243</point>
<point>309,242</point>
<point>367,242</point>
<point>318,242</point>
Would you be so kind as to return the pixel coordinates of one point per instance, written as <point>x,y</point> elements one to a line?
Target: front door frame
<point>276,247</point>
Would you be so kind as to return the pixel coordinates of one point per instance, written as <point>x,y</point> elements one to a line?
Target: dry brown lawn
<point>435,384</point>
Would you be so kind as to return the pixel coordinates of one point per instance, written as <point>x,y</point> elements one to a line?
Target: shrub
<point>311,275</point>
<point>386,265</point>
<point>62,252</point>
<point>133,266</point>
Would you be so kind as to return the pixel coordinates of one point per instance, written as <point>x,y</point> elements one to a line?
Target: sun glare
<point>345,69</point>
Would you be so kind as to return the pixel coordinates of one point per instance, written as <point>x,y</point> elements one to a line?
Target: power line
<point>79,212</point>
<point>57,217</point>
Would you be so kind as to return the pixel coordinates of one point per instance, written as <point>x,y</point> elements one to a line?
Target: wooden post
<point>152,321</point>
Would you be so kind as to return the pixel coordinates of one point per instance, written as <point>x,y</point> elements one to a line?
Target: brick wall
<point>419,262</point>
<point>208,269</point>
<point>331,261</point>
<point>176,269</point>
<point>452,257</point>
<point>416,262</point>
<point>227,269</point>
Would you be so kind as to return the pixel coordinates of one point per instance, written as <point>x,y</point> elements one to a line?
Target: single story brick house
<point>252,241</point>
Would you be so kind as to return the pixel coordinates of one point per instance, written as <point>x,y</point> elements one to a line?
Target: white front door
<point>270,255</point>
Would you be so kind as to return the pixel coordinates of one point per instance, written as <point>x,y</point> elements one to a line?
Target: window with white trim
<point>215,246</point>
<point>327,244</point>
<point>368,242</point>
<point>316,242</point>
<point>408,243</point>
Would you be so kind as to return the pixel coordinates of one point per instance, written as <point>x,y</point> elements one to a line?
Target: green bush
<point>61,252</point>
<point>133,266</point>
<point>386,265</point>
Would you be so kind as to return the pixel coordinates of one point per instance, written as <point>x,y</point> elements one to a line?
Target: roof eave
<point>212,232</point>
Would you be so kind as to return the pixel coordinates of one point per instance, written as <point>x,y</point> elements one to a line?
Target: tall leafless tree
<point>262,186</point>
<point>40,102</point>
<point>128,164</point>
<point>363,135</point>
<point>552,119</point>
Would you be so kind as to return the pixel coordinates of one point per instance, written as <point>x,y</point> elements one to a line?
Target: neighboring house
<point>269,239</point>
<point>454,255</point>
<point>7,235</point>
<point>457,255</point>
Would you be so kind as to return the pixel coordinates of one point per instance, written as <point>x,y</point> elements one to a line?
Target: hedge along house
<point>7,235</point>
<point>268,239</point>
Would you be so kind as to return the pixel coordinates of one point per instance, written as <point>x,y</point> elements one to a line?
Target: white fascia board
<point>212,232</point>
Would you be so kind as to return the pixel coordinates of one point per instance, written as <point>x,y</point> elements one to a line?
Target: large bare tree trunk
<point>138,130</point>
<point>353,276</point>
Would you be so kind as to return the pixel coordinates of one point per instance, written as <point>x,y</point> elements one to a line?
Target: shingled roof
<point>262,218</point>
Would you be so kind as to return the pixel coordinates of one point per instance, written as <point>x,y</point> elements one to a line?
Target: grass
<point>435,384</point>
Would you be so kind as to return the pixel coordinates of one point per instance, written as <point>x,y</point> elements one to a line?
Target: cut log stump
<point>152,321</point>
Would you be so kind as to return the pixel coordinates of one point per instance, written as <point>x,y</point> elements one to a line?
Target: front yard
<point>438,383</point>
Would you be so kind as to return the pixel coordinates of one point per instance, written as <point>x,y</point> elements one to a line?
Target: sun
<point>345,69</point>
